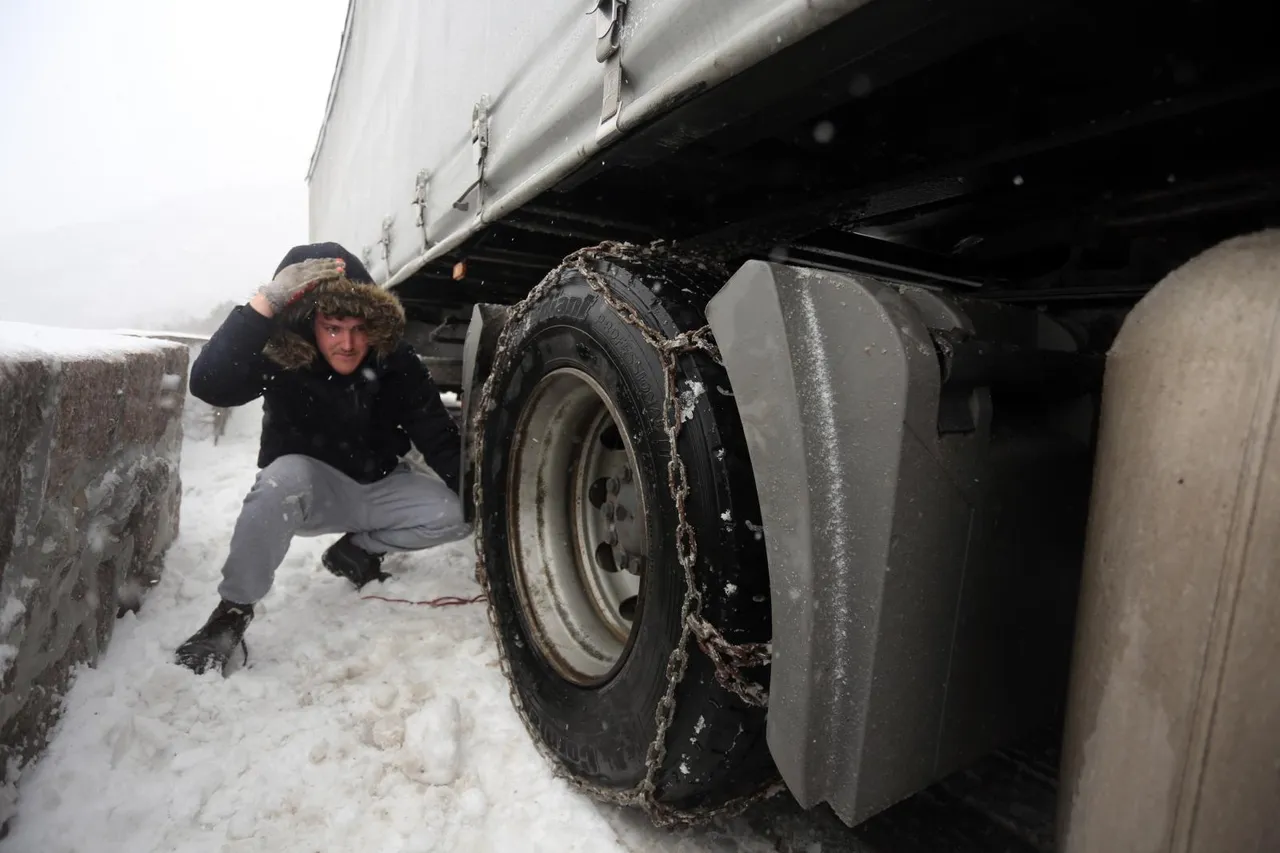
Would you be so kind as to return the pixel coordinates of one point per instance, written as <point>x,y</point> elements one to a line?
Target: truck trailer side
<point>851,388</point>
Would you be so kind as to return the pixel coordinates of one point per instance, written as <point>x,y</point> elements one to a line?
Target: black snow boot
<point>347,560</point>
<point>213,644</point>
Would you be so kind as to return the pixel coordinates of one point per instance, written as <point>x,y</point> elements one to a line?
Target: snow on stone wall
<point>90,441</point>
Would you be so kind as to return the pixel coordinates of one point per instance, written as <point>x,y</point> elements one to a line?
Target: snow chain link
<point>729,659</point>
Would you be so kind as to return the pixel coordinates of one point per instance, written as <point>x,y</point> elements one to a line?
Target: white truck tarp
<point>411,77</point>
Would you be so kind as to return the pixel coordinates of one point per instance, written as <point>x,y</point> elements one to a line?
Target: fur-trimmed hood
<point>292,344</point>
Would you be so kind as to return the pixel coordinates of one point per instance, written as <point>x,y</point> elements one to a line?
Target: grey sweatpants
<point>300,496</point>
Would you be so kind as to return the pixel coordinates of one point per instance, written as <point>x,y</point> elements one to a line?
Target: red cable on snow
<point>442,601</point>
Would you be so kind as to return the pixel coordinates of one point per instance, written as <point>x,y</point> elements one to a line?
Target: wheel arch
<point>887,500</point>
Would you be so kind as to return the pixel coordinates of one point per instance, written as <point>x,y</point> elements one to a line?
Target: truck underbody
<point>995,184</point>
<point>1060,154</point>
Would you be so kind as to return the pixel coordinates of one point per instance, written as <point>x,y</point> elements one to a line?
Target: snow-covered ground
<point>357,725</point>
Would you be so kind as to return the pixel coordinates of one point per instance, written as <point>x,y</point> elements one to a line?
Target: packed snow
<point>689,398</point>
<point>356,724</point>
<point>28,339</point>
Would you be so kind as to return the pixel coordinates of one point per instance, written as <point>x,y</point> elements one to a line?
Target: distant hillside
<point>181,266</point>
<point>209,323</point>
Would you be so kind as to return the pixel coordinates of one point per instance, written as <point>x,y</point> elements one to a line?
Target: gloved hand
<point>297,280</point>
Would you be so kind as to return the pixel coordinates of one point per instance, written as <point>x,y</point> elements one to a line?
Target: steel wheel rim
<point>578,526</point>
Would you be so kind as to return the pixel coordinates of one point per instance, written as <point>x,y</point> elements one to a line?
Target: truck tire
<point>579,541</point>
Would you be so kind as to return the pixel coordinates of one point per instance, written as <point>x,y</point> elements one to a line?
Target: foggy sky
<point>140,133</point>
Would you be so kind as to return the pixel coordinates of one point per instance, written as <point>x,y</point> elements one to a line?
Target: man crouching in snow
<point>343,396</point>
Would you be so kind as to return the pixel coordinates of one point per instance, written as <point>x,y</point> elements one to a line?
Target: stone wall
<point>90,443</point>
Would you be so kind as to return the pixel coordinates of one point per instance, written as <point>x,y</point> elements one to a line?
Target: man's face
<point>343,341</point>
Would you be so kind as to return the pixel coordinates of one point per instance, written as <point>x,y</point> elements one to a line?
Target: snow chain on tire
<point>728,658</point>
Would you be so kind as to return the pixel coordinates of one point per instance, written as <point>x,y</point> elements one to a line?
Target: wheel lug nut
<point>613,485</point>
<point>607,509</point>
<point>626,475</point>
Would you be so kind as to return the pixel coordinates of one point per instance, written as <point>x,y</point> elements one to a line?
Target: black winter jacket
<point>360,424</point>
